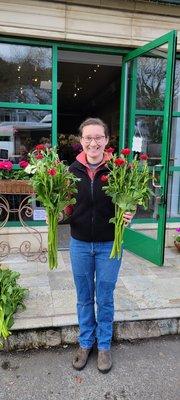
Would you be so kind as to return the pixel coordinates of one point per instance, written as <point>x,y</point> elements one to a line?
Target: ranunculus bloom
<point>177,229</point>
<point>110,150</point>
<point>69,209</point>
<point>119,161</point>
<point>40,147</point>
<point>7,165</point>
<point>23,164</point>
<point>52,171</point>
<point>126,151</point>
<point>104,178</point>
<point>39,156</point>
<point>143,156</point>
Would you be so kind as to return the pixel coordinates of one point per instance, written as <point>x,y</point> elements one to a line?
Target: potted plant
<point>177,239</point>
<point>14,181</point>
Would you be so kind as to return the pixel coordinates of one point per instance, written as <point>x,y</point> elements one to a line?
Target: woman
<point>91,242</point>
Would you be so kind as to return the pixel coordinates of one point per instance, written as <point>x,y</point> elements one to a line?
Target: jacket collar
<point>82,159</point>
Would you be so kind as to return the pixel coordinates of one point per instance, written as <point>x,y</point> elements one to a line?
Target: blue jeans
<point>90,264</point>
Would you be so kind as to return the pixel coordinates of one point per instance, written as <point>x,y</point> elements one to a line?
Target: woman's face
<point>94,141</point>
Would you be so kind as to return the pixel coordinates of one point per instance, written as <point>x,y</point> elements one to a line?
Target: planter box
<point>13,186</point>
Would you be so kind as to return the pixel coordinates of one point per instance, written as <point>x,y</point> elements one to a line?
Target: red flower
<point>119,161</point>
<point>39,156</point>
<point>104,178</point>
<point>69,209</point>
<point>40,147</point>
<point>23,164</point>
<point>126,151</point>
<point>52,171</point>
<point>110,150</point>
<point>6,165</point>
<point>143,156</point>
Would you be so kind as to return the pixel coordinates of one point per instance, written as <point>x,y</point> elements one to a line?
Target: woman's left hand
<point>127,217</point>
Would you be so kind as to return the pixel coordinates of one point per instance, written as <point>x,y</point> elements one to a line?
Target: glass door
<point>145,125</point>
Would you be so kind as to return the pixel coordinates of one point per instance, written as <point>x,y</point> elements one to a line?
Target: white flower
<point>30,169</point>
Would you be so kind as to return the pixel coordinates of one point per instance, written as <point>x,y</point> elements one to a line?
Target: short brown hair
<point>94,121</point>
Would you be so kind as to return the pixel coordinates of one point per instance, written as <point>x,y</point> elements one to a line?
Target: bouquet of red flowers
<point>54,186</point>
<point>128,185</point>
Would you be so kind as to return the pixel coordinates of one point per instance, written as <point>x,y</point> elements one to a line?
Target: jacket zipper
<point>92,218</point>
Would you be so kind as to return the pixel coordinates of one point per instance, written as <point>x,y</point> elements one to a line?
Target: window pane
<point>149,130</point>
<point>173,204</point>
<point>175,142</point>
<point>176,103</point>
<point>25,74</point>
<point>151,80</point>
<point>21,130</point>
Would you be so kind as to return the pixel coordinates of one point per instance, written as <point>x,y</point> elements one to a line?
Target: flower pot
<point>13,186</point>
<point>177,244</point>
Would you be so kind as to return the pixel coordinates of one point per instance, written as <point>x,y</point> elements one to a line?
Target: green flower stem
<point>118,236</point>
<point>52,239</point>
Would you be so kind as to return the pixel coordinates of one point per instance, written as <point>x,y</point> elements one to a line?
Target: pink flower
<point>40,147</point>
<point>143,156</point>
<point>6,165</point>
<point>104,178</point>
<point>119,162</point>
<point>52,171</point>
<point>126,151</point>
<point>110,150</point>
<point>23,164</point>
<point>39,156</point>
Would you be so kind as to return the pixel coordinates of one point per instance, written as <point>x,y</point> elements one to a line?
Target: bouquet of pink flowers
<point>128,185</point>
<point>54,186</point>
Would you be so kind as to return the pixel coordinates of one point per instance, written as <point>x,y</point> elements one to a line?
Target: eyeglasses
<point>88,139</point>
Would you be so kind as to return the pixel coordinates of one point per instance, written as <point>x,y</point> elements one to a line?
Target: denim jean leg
<point>106,277</point>
<point>82,261</point>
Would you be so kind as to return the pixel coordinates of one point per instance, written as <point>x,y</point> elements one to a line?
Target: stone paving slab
<point>144,291</point>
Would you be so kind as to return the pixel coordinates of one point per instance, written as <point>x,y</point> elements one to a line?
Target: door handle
<point>154,175</point>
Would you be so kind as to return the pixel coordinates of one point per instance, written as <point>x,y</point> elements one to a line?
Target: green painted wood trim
<point>14,224</point>
<point>28,42</point>
<point>144,246</point>
<point>150,112</point>
<point>29,106</point>
<point>168,102</point>
<point>132,114</point>
<point>54,93</point>
<point>123,106</point>
<point>168,37</point>
<point>176,114</point>
<point>92,49</point>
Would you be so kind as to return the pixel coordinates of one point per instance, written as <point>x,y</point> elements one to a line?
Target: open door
<point>145,126</point>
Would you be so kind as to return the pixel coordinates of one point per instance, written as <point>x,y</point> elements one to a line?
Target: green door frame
<point>135,241</point>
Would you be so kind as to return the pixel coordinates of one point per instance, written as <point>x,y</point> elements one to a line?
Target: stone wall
<point>110,22</point>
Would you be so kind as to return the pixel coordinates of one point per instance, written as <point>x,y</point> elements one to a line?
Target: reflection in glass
<point>175,142</point>
<point>176,103</point>
<point>149,130</point>
<point>25,74</point>
<point>151,83</point>
<point>21,130</point>
<point>173,203</point>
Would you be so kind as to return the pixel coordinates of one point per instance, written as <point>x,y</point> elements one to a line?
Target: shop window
<point>18,137</point>
<point>26,74</point>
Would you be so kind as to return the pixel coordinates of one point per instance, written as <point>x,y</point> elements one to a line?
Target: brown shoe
<point>80,359</point>
<point>104,361</point>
